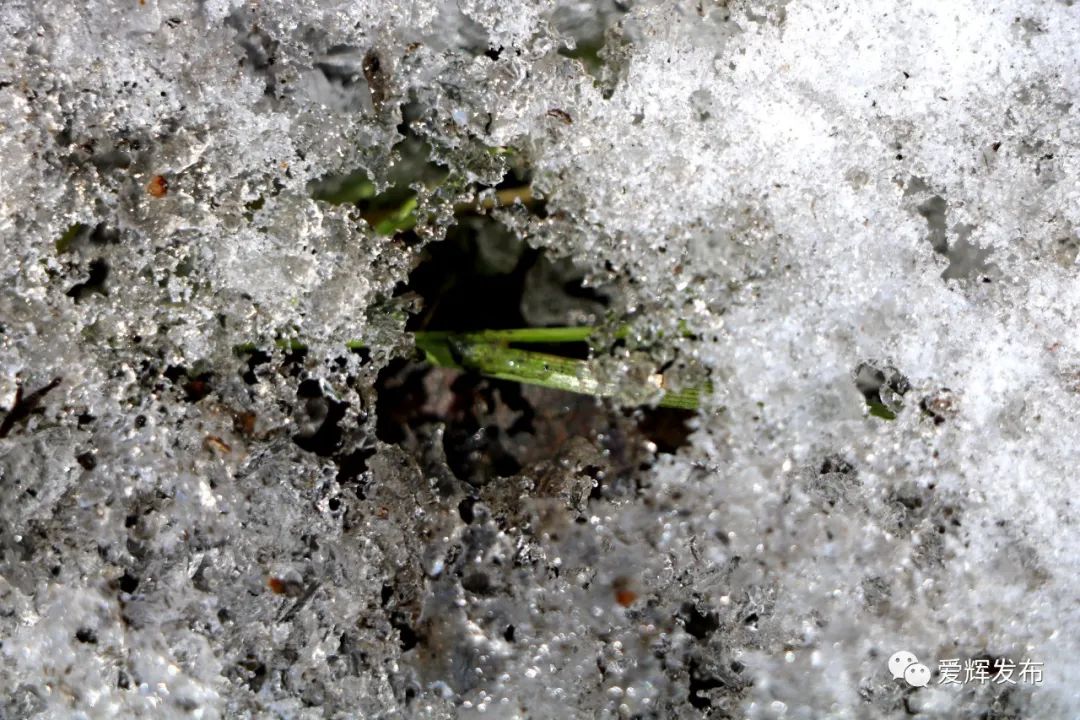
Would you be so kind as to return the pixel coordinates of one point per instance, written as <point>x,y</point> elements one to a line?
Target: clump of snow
<point>824,207</point>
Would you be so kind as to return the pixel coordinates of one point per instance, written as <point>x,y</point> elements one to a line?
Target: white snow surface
<point>760,174</point>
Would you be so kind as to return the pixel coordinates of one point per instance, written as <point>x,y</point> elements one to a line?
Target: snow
<point>802,187</point>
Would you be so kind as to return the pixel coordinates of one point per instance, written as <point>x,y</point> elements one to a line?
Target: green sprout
<point>67,239</point>
<point>492,353</point>
<point>500,354</point>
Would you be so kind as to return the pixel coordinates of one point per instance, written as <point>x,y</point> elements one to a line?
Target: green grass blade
<point>521,336</point>
<point>489,353</point>
<point>531,368</point>
<point>551,371</point>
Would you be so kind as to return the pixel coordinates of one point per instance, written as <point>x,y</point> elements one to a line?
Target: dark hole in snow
<point>477,448</point>
<point>667,428</point>
<point>882,387</point>
<point>939,406</point>
<point>196,386</point>
<point>478,583</point>
<point>25,405</point>
<point>934,211</point>
<point>293,362</point>
<point>836,464</point>
<point>465,510</point>
<point>309,389</point>
<point>401,396</point>
<point>319,419</point>
<point>482,277</point>
<point>473,280</point>
<point>254,359</point>
<point>966,260</point>
<point>97,274</point>
<point>86,635</point>
<point>698,624</point>
<point>251,671</point>
<point>409,638</point>
<point>129,583</point>
<point>82,237</point>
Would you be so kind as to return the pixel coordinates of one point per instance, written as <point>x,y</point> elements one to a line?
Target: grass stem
<point>490,353</point>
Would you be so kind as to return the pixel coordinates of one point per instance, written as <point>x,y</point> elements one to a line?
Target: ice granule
<point>841,214</point>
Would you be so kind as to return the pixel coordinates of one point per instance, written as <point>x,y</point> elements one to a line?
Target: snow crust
<point>803,187</point>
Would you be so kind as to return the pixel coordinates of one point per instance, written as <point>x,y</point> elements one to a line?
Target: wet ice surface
<point>859,214</point>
